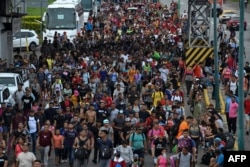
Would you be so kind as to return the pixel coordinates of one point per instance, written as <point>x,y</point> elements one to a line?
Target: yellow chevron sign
<point>199,54</point>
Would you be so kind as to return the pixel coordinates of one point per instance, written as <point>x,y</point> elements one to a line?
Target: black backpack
<point>105,151</point>
<point>229,140</point>
<point>82,153</point>
<point>205,159</point>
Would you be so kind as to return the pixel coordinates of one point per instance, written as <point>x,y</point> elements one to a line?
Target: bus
<point>63,16</point>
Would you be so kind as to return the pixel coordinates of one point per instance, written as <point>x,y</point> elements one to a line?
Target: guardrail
<point>206,97</point>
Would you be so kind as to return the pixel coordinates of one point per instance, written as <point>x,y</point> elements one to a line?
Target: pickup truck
<point>14,77</point>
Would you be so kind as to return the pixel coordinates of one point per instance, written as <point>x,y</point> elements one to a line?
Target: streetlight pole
<point>241,78</point>
<point>216,59</point>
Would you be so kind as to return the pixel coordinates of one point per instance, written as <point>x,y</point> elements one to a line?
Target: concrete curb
<point>207,98</point>
<point>222,103</point>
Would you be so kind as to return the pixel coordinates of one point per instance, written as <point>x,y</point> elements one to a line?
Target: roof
<point>63,4</point>
<point>8,74</point>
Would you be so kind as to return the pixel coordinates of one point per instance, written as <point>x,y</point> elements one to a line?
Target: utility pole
<point>241,78</point>
<point>216,59</point>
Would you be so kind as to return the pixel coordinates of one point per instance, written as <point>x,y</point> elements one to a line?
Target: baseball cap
<point>105,121</point>
<point>217,140</point>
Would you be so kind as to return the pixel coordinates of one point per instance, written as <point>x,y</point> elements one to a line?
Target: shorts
<point>247,117</point>
<point>58,152</point>
<point>139,152</point>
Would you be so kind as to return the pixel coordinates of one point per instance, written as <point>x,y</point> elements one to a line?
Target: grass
<point>37,11</point>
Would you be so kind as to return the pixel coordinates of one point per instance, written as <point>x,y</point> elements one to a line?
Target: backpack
<point>205,159</point>
<point>229,140</point>
<point>105,151</point>
<point>81,153</point>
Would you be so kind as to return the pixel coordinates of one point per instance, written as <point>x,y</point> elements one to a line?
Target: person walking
<point>82,142</point>
<point>44,142</point>
<point>247,112</point>
<point>25,158</point>
<point>220,30</point>
<point>126,152</point>
<point>137,141</point>
<point>233,110</point>
<point>184,158</point>
<point>105,148</point>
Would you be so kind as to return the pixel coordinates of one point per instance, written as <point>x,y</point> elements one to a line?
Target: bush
<point>31,18</point>
<point>32,26</point>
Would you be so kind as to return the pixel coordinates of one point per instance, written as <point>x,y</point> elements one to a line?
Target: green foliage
<point>32,26</point>
<point>31,18</point>
<point>51,1</point>
<point>35,11</point>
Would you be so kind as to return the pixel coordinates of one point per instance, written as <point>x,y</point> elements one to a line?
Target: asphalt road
<point>37,3</point>
<point>228,5</point>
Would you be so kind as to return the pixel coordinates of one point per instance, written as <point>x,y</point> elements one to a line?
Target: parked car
<point>12,80</point>
<point>219,10</point>
<point>25,37</point>
<point>226,15</point>
<point>5,95</point>
<point>234,23</point>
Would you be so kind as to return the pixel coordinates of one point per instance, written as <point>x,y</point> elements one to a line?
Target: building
<point>11,12</point>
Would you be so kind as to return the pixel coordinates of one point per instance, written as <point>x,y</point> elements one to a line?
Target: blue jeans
<point>70,151</point>
<point>33,141</point>
<point>104,162</point>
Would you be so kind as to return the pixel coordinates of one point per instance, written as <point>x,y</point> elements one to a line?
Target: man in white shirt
<point>33,127</point>
<point>25,158</point>
<point>164,73</point>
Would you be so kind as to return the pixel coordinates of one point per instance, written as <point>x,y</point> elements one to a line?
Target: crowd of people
<point>116,93</point>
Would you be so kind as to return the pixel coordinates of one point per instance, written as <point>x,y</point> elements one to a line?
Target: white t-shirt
<point>32,123</point>
<point>184,159</point>
<point>125,57</point>
<point>26,159</point>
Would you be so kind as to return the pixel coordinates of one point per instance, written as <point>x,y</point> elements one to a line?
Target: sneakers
<point>94,161</point>
<point>62,161</point>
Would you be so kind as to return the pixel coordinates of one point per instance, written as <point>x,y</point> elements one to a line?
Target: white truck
<point>14,78</point>
<point>63,16</point>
